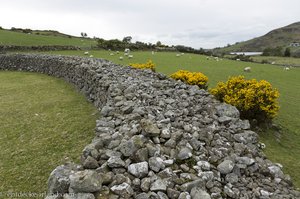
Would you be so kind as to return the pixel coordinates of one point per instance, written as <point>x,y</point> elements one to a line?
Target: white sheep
<point>121,58</point>
<point>130,56</point>
<point>86,53</point>
<point>126,54</point>
<point>247,69</point>
<point>286,68</point>
<point>152,52</point>
<point>91,56</point>
<point>178,55</point>
<point>127,50</point>
<point>238,60</point>
<point>111,54</point>
<point>117,52</point>
<point>273,62</point>
<point>182,53</point>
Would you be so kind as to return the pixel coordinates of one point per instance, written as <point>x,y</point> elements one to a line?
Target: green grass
<point>287,151</point>
<point>43,121</point>
<point>23,39</point>
<point>285,61</point>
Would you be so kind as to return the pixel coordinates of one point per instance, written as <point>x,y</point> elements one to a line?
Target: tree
<point>83,34</point>
<point>158,43</point>
<point>127,39</point>
<point>287,52</point>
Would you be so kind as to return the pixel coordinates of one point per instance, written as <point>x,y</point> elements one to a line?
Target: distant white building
<point>295,44</point>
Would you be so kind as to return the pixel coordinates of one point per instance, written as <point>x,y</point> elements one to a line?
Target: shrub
<point>254,99</point>
<point>192,78</point>
<point>148,65</point>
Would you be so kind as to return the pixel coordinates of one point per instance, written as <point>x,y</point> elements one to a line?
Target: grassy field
<point>23,39</point>
<point>43,122</point>
<point>287,151</point>
<point>286,61</point>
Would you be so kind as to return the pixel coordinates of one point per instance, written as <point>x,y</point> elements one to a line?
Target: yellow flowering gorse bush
<point>255,99</point>
<point>148,65</point>
<point>192,78</point>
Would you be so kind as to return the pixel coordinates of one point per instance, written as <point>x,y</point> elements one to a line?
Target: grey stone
<point>59,180</point>
<point>276,171</point>
<point>145,184</point>
<point>245,160</point>
<point>115,162</point>
<point>86,181</point>
<point>124,190</point>
<point>207,175</point>
<point>184,153</point>
<point>232,178</point>
<point>139,169</point>
<point>158,185</point>
<point>204,165</point>
<point>198,193</point>
<point>184,195</point>
<point>90,163</point>
<point>106,111</point>
<point>162,195</point>
<point>190,185</point>
<point>225,167</point>
<point>156,164</point>
<point>142,196</point>
<point>227,110</point>
<point>79,196</point>
<point>172,193</point>
<point>149,128</point>
<point>224,119</point>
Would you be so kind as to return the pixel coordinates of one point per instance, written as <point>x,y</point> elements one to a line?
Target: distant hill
<point>27,37</point>
<point>281,37</point>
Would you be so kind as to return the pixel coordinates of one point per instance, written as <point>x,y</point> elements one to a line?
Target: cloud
<point>196,23</point>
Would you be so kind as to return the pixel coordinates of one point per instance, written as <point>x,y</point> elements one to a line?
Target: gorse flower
<point>148,65</point>
<point>192,78</point>
<point>254,99</point>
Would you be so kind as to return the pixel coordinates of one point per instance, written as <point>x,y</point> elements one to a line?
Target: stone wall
<point>156,138</point>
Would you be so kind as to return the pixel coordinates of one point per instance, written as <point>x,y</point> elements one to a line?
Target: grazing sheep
<point>182,53</point>
<point>86,53</point>
<point>130,56</point>
<point>261,145</point>
<point>111,54</point>
<point>91,56</point>
<point>207,58</point>
<point>152,52</point>
<point>238,60</point>
<point>127,50</point>
<point>247,69</point>
<point>273,62</point>
<point>126,54</point>
<point>178,55</point>
<point>121,58</point>
<point>117,52</point>
<point>286,68</point>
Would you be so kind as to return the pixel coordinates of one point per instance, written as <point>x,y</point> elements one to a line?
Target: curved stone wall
<point>156,138</point>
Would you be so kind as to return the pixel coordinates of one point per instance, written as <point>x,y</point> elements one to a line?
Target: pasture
<point>22,39</point>
<point>285,151</point>
<point>287,61</point>
<point>44,122</point>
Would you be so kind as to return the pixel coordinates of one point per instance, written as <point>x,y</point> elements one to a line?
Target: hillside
<point>42,37</point>
<point>282,37</point>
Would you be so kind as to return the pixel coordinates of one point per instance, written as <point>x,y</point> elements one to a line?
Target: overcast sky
<point>196,23</point>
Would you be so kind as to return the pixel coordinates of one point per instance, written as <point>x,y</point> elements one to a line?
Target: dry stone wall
<point>156,138</point>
